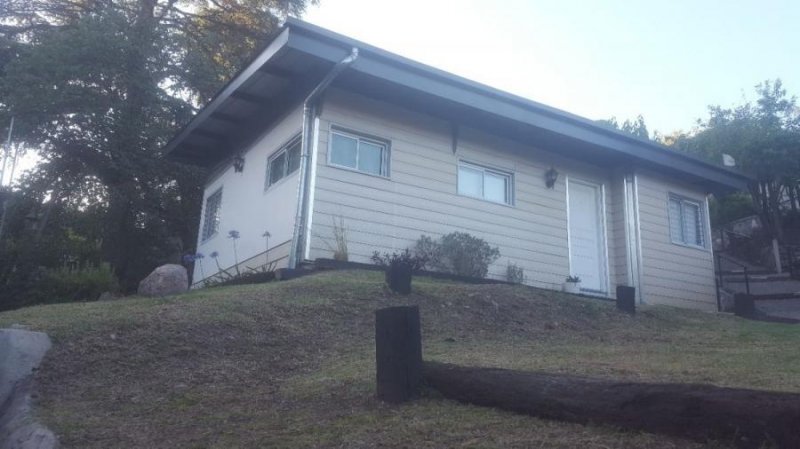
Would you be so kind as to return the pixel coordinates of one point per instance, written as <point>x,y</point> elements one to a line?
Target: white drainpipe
<point>309,114</point>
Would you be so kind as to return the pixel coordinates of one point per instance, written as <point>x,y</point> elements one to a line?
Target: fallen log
<point>747,418</point>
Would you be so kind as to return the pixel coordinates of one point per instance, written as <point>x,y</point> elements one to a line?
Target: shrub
<point>405,258</point>
<point>339,246</point>
<point>515,273</point>
<point>84,283</point>
<point>458,253</point>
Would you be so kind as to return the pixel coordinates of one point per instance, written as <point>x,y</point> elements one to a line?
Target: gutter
<point>304,204</point>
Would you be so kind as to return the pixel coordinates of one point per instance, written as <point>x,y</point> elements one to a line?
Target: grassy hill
<point>291,364</point>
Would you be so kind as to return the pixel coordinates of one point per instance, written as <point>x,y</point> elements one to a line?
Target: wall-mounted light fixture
<point>550,177</point>
<point>238,163</point>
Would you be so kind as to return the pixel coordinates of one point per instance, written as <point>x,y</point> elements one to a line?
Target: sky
<point>667,60</point>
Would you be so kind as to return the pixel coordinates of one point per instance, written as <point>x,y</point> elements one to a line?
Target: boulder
<point>165,280</point>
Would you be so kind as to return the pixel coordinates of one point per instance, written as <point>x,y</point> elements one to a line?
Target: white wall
<point>672,274</point>
<point>251,210</point>
<point>420,196</point>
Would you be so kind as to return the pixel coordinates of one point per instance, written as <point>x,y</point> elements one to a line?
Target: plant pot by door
<point>398,276</point>
<point>572,287</point>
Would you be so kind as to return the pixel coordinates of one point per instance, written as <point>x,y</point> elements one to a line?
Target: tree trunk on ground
<point>748,418</point>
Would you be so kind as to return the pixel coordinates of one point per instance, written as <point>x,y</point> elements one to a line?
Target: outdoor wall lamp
<point>238,163</point>
<point>550,177</point>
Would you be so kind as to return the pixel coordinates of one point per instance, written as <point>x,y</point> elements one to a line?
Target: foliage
<point>636,128</point>
<point>62,284</point>
<point>573,279</point>
<point>339,246</point>
<point>731,207</point>
<point>70,284</point>
<point>97,89</point>
<point>764,138</point>
<point>459,253</point>
<point>403,258</point>
<point>514,273</point>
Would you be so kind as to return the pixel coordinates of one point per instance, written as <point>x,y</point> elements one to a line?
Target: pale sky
<point>667,59</point>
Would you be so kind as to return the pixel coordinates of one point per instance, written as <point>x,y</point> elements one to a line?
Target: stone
<point>21,352</point>
<point>108,296</point>
<point>165,280</point>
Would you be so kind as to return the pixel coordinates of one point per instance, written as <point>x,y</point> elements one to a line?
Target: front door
<point>587,255</point>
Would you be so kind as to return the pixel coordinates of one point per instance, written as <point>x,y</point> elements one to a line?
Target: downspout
<point>309,115</point>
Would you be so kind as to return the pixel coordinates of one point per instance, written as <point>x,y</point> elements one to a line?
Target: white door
<point>587,255</point>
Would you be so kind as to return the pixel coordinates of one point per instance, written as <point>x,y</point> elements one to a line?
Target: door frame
<point>605,272</point>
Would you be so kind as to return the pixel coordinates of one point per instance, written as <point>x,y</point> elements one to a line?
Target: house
<point>321,130</point>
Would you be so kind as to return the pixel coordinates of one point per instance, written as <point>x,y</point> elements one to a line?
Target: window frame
<point>509,175</point>
<point>386,145</point>
<point>284,149</point>
<point>204,235</point>
<point>700,223</point>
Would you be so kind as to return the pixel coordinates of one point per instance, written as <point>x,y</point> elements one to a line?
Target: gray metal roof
<point>300,55</point>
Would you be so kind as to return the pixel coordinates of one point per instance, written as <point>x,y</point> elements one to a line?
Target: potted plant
<point>572,284</point>
<point>399,268</point>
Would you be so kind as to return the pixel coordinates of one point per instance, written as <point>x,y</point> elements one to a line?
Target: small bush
<point>404,258</point>
<point>515,273</point>
<point>458,253</point>
<point>339,247</point>
<point>75,284</point>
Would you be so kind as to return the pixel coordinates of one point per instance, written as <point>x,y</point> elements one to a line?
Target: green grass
<point>291,364</point>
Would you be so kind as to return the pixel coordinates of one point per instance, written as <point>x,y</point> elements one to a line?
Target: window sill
<point>280,181</point>
<point>484,200</point>
<point>209,238</point>
<point>686,245</point>
<point>354,170</point>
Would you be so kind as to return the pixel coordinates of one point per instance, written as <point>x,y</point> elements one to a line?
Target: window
<point>211,218</point>
<point>686,222</point>
<point>485,183</point>
<point>359,153</point>
<point>284,161</point>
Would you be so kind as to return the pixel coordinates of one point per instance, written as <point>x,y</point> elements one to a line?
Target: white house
<point>328,129</point>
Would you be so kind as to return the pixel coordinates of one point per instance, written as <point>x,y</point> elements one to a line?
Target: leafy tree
<point>636,128</point>
<point>97,87</point>
<point>764,138</point>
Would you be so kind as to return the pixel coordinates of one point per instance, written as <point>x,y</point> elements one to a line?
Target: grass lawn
<point>291,364</point>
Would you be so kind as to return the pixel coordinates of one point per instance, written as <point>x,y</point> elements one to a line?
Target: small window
<point>359,153</point>
<point>284,162</point>
<point>485,183</point>
<point>212,215</point>
<point>686,222</point>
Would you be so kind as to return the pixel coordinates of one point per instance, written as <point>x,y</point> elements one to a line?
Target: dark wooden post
<point>626,299</point>
<point>398,353</point>
<point>744,305</point>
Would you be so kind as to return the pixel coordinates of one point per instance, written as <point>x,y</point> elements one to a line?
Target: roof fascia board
<point>277,46</point>
<point>439,85</point>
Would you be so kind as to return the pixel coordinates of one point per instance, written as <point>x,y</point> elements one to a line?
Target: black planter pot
<point>398,277</point>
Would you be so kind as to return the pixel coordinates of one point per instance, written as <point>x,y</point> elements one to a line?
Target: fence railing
<point>720,278</point>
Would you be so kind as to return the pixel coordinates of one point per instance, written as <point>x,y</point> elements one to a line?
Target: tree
<point>98,87</point>
<point>636,128</point>
<point>764,138</point>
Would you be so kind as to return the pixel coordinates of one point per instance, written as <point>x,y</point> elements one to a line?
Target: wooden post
<point>626,299</point>
<point>398,353</point>
<point>745,418</point>
<point>744,305</point>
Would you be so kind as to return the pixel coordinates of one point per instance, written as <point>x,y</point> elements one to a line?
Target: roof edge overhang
<point>331,47</point>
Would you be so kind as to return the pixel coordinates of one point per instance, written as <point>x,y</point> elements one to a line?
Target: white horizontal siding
<point>420,196</point>
<point>671,274</point>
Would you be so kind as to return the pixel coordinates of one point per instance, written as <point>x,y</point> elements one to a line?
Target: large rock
<point>165,280</point>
